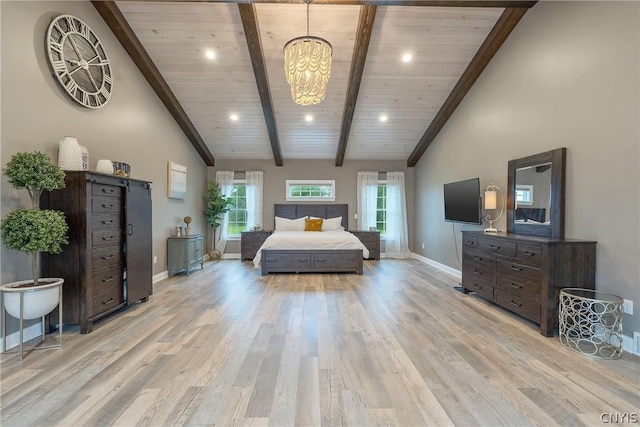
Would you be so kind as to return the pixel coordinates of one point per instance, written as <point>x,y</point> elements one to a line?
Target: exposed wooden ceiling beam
<point>360,48</point>
<point>435,3</point>
<point>125,34</point>
<point>252,33</point>
<point>498,34</point>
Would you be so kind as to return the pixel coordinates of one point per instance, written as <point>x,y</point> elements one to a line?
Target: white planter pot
<point>38,300</point>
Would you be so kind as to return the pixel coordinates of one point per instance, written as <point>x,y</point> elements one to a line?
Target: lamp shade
<point>490,199</point>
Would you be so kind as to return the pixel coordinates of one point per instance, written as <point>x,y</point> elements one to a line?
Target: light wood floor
<point>396,346</point>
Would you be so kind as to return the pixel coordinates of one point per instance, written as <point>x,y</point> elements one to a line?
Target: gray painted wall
<point>566,77</point>
<point>345,176</point>
<point>133,127</point>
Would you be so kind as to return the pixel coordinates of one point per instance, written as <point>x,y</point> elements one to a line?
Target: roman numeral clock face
<point>79,61</point>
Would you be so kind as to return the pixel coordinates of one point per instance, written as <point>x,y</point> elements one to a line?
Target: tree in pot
<point>216,206</point>
<point>33,231</point>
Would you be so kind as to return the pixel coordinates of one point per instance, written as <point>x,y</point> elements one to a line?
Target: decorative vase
<point>70,154</point>
<point>104,166</point>
<point>38,300</point>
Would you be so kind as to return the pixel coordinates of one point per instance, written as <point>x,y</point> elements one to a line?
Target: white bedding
<point>310,240</point>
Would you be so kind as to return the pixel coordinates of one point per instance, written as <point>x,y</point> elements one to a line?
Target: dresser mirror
<point>535,194</point>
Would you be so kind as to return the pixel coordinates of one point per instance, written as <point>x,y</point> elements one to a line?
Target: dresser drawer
<point>106,190</point>
<point>477,285</point>
<point>480,272</point>
<point>470,241</point>
<point>522,306</point>
<point>105,279</point>
<point>529,254</point>
<point>106,205</point>
<point>106,301</point>
<point>288,261</point>
<point>106,237</point>
<point>106,220</point>
<point>497,247</point>
<point>513,269</point>
<point>331,261</point>
<point>520,287</point>
<point>106,256</point>
<point>475,258</point>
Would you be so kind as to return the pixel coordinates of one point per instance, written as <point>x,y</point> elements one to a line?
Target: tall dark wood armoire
<point>108,262</point>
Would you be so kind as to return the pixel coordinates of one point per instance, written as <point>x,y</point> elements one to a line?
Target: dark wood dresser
<point>371,239</point>
<point>108,261</point>
<point>250,242</point>
<point>525,273</point>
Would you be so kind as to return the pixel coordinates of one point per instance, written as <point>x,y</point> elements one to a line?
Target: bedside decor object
<point>33,231</point>
<point>121,168</point>
<point>187,229</point>
<point>69,154</point>
<point>79,61</point>
<point>490,203</point>
<point>176,181</point>
<point>104,166</point>
<point>85,158</point>
<point>591,322</point>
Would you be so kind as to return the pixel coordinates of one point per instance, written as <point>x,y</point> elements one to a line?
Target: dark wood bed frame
<point>312,260</point>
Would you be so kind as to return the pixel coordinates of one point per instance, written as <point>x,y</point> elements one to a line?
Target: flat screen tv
<point>462,201</point>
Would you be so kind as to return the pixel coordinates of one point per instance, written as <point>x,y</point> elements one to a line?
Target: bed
<point>309,251</point>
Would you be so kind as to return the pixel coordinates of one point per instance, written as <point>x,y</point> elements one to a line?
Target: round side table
<point>591,322</point>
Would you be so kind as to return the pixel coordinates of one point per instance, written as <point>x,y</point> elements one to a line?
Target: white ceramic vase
<point>104,166</point>
<point>70,154</point>
<point>38,300</point>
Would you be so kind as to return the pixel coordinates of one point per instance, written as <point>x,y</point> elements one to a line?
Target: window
<point>238,210</point>
<point>381,208</point>
<point>524,195</point>
<point>311,190</point>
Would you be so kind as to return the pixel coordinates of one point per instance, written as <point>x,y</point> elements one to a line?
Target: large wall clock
<point>79,61</point>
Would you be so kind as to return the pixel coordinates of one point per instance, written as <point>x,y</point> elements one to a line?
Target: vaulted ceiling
<point>377,106</point>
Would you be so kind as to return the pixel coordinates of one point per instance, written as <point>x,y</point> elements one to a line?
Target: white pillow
<point>284,224</point>
<point>332,224</point>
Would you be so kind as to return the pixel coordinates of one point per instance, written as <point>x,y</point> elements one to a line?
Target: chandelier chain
<point>308,3</point>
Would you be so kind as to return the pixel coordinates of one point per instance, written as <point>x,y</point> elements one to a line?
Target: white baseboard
<point>30,333</point>
<point>452,271</point>
<point>160,276</point>
<point>627,345</point>
<point>230,256</point>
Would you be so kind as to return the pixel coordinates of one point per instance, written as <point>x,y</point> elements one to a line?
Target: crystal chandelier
<point>307,65</point>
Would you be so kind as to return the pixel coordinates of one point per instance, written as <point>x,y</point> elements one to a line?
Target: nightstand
<point>250,242</point>
<point>371,239</point>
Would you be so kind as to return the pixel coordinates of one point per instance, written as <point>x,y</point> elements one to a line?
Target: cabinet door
<point>139,242</point>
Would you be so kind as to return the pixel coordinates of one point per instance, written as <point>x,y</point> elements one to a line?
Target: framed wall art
<point>177,181</point>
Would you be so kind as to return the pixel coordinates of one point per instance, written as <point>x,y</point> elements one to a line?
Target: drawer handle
<point>107,206</point>
<point>477,272</point>
<point>515,303</point>
<point>321,260</point>
<point>272,260</point>
<point>105,190</point>
<point>108,238</point>
<point>514,285</point>
<point>494,247</point>
<point>303,260</point>
<point>476,286</point>
<point>108,257</point>
<point>109,301</point>
<point>470,242</point>
<point>108,279</point>
<point>108,222</point>
<point>477,258</point>
<point>516,268</point>
<point>527,253</point>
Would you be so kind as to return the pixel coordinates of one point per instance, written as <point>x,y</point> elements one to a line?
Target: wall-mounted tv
<point>462,201</point>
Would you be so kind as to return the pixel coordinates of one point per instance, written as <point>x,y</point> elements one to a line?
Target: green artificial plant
<point>34,230</point>
<point>216,206</point>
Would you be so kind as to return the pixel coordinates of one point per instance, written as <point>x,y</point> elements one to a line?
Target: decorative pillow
<point>332,224</point>
<point>284,224</point>
<point>313,224</point>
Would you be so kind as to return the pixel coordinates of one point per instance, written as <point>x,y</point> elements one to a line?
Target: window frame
<point>310,182</point>
<point>237,236</point>
<point>382,182</point>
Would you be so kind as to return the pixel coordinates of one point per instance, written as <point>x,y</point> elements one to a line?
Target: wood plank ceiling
<point>449,45</point>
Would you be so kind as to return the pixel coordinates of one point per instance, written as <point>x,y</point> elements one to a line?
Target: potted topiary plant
<point>217,205</point>
<point>33,231</point>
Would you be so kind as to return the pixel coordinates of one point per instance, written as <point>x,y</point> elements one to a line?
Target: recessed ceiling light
<point>234,117</point>
<point>407,57</point>
<point>383,117</point>
<point>308,118</point>
<point>210,54</point>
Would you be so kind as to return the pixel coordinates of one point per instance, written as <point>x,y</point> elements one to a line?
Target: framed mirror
<point>535,194</point>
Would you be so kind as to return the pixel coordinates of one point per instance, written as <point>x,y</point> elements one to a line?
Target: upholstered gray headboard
<point>294,211</point>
